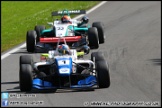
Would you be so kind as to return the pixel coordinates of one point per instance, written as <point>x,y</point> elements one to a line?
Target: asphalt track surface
<point>132,49</point>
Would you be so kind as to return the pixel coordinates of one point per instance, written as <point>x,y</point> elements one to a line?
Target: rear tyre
<point>39,29</point>
<point>97,55</point>
<point>25,77</point>
<point>100,30</point>
<point>31,40</point>
<point>103,74</point>
<point>93,38</point>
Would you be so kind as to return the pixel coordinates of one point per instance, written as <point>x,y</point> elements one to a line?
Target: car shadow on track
<point>156,61</point>
<point>71,90</point>
<point>34,91</point>
<point>14,82</point>
<point>21,52</point>
<point>13,90</point>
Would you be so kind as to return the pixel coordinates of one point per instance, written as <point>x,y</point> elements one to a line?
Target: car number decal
<point>63,62</point>
<point>60,28</point>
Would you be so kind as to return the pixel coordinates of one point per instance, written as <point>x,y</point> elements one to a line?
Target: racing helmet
<point>65,19</point>
<point>63,49</point>
<point>85,19</point>
<point>86,49</point>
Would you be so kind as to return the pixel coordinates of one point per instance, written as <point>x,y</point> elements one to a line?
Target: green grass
<point>17,17</point>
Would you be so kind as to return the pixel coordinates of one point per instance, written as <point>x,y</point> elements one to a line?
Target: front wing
<point>84,83</point>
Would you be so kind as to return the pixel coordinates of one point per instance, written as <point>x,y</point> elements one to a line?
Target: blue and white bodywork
<point>64,65</point>
<point>66,68</point>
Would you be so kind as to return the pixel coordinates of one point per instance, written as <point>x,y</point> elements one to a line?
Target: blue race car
<point>58,70</point>
<point>73,30</point>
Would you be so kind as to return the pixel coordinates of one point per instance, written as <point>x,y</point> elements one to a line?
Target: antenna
<point>58,44</point>
<point>60,37</point>
<point>65,41</point>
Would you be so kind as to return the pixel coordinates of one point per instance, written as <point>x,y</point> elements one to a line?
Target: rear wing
<point>66,12</point>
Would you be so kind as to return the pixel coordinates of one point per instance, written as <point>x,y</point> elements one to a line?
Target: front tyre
<point>26,59</point>
<point>103,74</point>
<point>97,55</point>
<point>25,77</point>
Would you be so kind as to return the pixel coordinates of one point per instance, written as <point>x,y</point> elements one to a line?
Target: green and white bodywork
<point>66,29</point>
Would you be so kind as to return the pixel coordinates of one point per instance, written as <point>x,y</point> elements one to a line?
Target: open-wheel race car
<point>63,68</point>
<point>76,32</point>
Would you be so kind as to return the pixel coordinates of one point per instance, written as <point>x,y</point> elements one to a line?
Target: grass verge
<point>17,17</point>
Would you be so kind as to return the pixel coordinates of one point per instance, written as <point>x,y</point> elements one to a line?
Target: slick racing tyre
<point>103,76</point>
<point>31,40</point>
<point>98,56</point>
<point>25,77</point>
<point>100,30</point>
<point>93,38</point>
<point>39,29</point>
<point>26,59</point>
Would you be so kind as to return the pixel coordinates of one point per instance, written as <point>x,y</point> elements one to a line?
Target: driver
<point>64,49</point>
<point>66,19</point>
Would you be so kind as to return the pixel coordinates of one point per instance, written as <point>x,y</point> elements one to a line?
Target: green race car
<point>76,33</point>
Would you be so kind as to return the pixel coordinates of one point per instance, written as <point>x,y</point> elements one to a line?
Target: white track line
<point>89,11</point>
<point>23,45</point>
